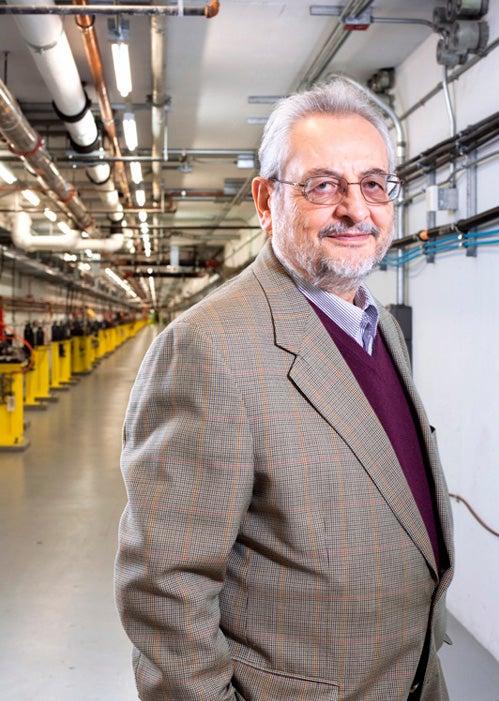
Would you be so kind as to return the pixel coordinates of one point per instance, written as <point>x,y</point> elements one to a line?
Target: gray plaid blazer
<point>271,549</point>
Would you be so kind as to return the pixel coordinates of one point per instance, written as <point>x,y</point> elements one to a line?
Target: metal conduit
<point>25,143</point>
<point>94,58</point>
<point>333,43</point>
<point>209,10</point>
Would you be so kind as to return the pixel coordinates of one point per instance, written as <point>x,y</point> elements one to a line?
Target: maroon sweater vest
<point>379,379</point>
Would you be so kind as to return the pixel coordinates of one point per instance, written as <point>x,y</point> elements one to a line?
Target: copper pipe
<point>94,58</point>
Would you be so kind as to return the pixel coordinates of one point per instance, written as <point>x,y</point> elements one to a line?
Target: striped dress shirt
<point>359,320</point>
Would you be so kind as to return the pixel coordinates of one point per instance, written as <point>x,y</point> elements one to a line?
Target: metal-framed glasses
<point>376,188</point>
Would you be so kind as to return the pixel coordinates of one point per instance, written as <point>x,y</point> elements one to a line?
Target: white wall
<point>456,337</point>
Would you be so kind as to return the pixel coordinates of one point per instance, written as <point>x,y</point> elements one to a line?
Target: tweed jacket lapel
<point>319,371</point>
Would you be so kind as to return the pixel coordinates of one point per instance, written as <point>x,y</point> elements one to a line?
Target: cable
<point>472,511</point>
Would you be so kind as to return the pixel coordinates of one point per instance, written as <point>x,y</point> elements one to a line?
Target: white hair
<point>338,96</point>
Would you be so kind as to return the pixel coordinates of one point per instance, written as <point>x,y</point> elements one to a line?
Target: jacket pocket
<point>259,684</point>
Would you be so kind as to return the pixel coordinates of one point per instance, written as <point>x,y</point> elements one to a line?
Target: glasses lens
<point>380,188</point>
<point>322,190</point>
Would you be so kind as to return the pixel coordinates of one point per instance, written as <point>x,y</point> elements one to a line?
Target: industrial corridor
<point>60,504</point>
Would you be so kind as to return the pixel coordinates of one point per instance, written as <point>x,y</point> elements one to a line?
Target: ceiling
<point>252,47</point>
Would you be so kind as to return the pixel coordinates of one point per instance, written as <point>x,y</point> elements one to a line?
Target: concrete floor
<point>60,503</point>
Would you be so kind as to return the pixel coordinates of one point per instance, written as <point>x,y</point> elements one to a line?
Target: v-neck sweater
<point>379,379</point>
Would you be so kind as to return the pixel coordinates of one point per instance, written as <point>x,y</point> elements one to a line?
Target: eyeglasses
<point>376,188</point>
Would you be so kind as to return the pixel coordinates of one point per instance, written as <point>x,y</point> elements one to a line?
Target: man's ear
<point>261,190</point>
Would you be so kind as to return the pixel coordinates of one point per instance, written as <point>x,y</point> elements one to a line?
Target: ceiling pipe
<point>92,50</point>
<point>25,143</point>
<point>178,10</point>
<point>333,43</point>
<point>23,238</point>
<point>158,103</point>
<point>49,47</point>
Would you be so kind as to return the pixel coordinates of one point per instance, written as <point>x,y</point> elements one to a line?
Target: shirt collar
<point>359,320</point>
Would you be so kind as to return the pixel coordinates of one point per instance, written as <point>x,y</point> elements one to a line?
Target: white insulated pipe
<point>158,102</point>
<point>49,46</point>
<point>23,238</point>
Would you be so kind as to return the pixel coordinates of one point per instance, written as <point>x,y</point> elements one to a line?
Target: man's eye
<point>375,185</point>
<point>323,186</point>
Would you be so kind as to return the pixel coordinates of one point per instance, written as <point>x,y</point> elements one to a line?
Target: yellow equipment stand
<point>56,379</point>
<point>42,362</point>
<point>78,354</point>
<point>55,366</point>
<point>101,348</point>
<point>88,353</point>
<point>11,407</point>
<point>65,361</point>
<point>31,384</point>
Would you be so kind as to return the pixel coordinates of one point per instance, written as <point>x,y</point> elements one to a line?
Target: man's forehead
<point>323,140</point>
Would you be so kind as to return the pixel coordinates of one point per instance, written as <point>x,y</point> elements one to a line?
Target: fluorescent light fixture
<point>246,161</point>
<point>140,197</point>
<point>51,216</point>
<point>130,131</point>
<point>152,289</point>
<point>257,120</point>
<point>7,175</point>
<point>264,99</point>
<point>64,227</point>
<point>136,171</point>
<point>32,197</point>
<point>143,216</point>
<point>122,72</point>
<point>119,281</point>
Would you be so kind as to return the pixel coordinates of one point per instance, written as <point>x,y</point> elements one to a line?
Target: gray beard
<point>338,277</point>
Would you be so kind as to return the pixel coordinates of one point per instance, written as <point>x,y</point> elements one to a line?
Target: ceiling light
<point>152,289</point>
<point>130,131</point>
<point>64,227</point>
<point>85,235</point>
<point>264,99</point>
<point>257,120</point>
<point>140,197</point>
<point>51,216</point>
<point>149,270</point>
<point>246,161</point>
<point>32,197</point>
<point>7,175</point>
<point>136,171</point>
<point>144,228</point>
<point>142,216</point>
<point>122,72</point>
<point>84,267</point>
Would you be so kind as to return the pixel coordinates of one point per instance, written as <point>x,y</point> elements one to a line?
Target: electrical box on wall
<point>440,199</point>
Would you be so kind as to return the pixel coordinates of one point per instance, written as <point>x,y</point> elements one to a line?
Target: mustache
<point>341,229</point>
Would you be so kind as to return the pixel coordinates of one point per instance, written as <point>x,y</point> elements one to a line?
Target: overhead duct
<point>72,241</point>
<point>158,103</point>
<point>26,143</point>
<point>49,46</point>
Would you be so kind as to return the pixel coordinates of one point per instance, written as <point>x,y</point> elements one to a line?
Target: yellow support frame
<point>11,407</point>
<point>65,361</point>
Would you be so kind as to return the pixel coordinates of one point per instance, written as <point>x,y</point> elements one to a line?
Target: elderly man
<point>288,530</point>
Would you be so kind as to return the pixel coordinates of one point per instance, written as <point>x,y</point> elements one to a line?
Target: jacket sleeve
<point>188,468</point>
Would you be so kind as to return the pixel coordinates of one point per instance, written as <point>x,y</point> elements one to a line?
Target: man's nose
<point>353,205</point>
